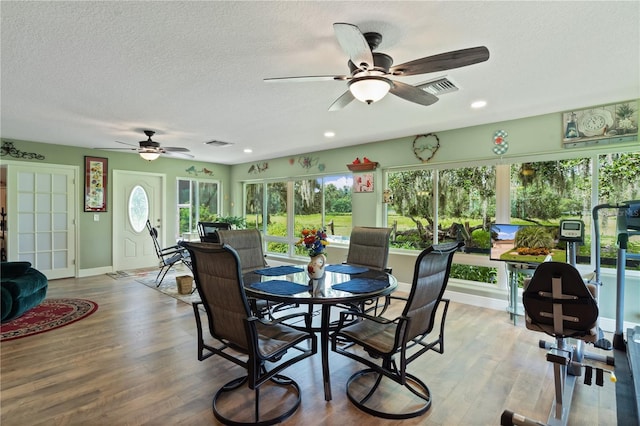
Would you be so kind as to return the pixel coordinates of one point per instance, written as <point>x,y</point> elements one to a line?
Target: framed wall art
<point>363,182</point>
<point>95,184</point>
<point>602,123</point>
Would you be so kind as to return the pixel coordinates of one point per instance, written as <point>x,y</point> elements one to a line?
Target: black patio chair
<point>168,256</point>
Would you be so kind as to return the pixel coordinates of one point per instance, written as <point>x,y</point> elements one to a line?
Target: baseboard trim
<point>94,271</point>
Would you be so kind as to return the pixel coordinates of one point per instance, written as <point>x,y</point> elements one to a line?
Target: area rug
<point>169,286</point>
<point>47,316</point>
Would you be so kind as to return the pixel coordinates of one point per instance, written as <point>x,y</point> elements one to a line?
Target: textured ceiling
<point>90,73</point>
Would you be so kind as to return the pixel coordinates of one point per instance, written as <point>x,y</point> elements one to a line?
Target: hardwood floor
<point>134,362</point>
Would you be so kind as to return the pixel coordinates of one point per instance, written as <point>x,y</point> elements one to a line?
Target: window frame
<point>193,220</point>
<point>291,238</point>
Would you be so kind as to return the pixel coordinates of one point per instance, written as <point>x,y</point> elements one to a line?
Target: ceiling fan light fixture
<point>149,156</point>
<point>369,89</point>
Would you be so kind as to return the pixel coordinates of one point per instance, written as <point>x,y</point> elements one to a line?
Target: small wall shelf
<point>362,166</point>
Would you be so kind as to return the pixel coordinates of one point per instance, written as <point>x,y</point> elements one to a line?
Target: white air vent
<point>219,144</point>
<point>439,86</point>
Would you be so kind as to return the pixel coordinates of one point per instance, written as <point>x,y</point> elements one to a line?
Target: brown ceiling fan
<point>150,149</point>
<point>369,79</point>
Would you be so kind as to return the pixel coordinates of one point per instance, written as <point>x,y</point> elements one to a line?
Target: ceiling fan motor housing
<point>381,62</point>
<point>149,144</point>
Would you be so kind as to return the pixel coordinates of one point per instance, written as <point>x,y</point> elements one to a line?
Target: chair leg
<point>165,269</point>
<point>231,413</point>
<point>368,397</point>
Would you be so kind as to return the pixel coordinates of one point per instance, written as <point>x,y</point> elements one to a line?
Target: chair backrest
<point>558,302</point>
<point>430,278</point>
<point>369,246</point>
<point>248,244</point>
<point>154,236</point>
<point>208,231</point>
<point>216,270</point>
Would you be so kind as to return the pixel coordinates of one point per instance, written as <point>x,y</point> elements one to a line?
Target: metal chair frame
<point>168,256</point>
<point>208,231</point>
<point>254,360</point>
<point>431,274</point>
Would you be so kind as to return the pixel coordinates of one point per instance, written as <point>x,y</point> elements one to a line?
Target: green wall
<point>97,235</point>
<point>530,139</point>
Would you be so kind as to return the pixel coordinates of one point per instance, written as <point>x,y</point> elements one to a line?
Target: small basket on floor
<point>185,283</point>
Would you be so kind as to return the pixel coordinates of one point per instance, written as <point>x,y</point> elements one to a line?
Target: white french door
<point>136,198</point>
<point>42,211</point>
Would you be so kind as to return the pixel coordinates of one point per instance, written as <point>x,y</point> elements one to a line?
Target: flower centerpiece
<point>314,241</point>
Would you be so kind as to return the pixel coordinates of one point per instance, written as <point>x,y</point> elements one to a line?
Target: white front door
<point>42,210</point>
<point>136,198</point>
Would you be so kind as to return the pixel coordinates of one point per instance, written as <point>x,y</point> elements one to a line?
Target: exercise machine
<point>627,354</point>
<point>627,224</point>
<point>558,302</point>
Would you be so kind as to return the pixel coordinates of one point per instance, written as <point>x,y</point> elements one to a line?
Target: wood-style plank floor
<point>134,362</point>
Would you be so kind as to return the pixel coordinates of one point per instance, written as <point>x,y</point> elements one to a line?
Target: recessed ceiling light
<point>479,104</point>
<point>248,150</point>
<point>329,134</point>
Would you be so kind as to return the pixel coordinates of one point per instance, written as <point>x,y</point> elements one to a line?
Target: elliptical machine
<point>627,224</point>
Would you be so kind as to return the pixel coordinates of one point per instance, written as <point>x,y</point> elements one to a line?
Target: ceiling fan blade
<point>124,143</point>
<point>305,79</point>
<point>413,94</point>
<point>118,149</point>
<point>354,44</point>
<point>342,101</point>
<point>178,154</point>
<point>175,149</point>
<point>442,62</point>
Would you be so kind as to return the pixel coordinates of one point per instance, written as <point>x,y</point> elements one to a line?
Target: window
<point>138,208</point>
<point>198,201</point>
<point>277,215</point>
<point>434,206</point>
<point>461,208</point>
<point>411,212</point>
<point>546,192</point>
<point>292,205</point>
<point>467,206</point>
<point>619,182</point>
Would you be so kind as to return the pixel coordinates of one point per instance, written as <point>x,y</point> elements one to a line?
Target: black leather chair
<point>263,348</point>
<point>405,337</point>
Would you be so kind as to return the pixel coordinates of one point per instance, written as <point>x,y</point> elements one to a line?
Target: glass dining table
<point>341,285</point>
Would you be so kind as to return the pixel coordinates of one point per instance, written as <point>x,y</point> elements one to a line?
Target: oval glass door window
<point>138,208</point>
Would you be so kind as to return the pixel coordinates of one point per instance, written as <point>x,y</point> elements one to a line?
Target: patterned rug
<point>169,285</point>
<point>47,316</point>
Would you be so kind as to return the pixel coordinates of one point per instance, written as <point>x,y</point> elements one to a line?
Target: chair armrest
<point>173,250</point>
<point>358,314</point>
<point>280,320</point>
